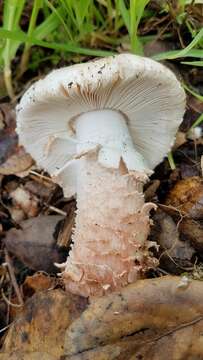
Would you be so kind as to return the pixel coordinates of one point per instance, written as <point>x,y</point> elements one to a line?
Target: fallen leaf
<point>187,197</point>
<point>42,323</point>
<point>195,104</point>
<point>2,125</point>
<point>13,158</point>
<point>186,170</point>
<point>157,46</point>
<point>17,163</point>
<point>27,356</point>
<point>180,343</point>
<point>150,192</point>
<point>37,282</point>
<point>148,317</point>
<point>143,312</point>
<point>32,284</point>
<point>34,244</point>
<point>175,255</point>
<point>183,343</point>
<point>192,230</point>
<point>8,136</point>
<point>42,190</point>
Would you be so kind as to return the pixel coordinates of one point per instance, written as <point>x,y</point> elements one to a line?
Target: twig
<point>181,326</point>
<point>42,177</point>
<point>162,271</point>
<point>13,278</point>
<point>5,328</point>
<point>8,305</point>
<point>8,302</point>
<point>56,210</point>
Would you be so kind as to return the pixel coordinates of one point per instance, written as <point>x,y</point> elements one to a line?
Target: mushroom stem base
<point>110,247</point>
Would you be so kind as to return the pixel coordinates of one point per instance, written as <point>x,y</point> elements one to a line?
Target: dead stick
<point>13,278</point>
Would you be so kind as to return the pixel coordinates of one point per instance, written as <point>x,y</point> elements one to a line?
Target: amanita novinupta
<point>99,128</point>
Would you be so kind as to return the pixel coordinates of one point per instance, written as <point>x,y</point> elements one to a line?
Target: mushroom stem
<point>109,130</point>
<point>110,247</point>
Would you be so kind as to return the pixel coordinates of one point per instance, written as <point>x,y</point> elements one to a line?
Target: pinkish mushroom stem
<point>110,247</point>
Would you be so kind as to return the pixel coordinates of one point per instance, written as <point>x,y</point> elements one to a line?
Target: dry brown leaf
<point>35,244</point>
<point>187,197</point>
<point>117,351</point>
<point>27,356</point>
<point>17,163</point>
<point>157,46</point>
<point>175,254</point>
<point>151,190</point>
<point>182,344</point>
<point>186,168</point>
<point>36,283</point>
<point>148,310</point>
<point>153,316</point>
<point>2,125</point>
<point>8,136</point>
<point>13,158</point>
<point>42,323</point>
<point>42,190</point>
<point>202,164</point>
<point>195,104</point>
<point>192,230</point>
<point>32,284</point>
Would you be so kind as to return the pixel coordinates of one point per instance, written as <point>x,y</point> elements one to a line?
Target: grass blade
<point>171,161</point>
<point>67,47</point>
<point>193,63</point>
<point>198,96</point>
<point>197,122</point>
<point>171,55</point>
<point>125,14</point>
<point>26,53</point>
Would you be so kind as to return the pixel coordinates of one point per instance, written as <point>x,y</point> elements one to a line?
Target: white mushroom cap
<point>144,91</point>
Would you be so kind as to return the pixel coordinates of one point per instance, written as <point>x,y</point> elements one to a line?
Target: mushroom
<point>99,129</point>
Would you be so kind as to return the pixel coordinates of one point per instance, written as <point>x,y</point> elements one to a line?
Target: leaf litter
<point>162,314</point>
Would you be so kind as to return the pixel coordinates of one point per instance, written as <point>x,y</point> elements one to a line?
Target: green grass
<point>197,122</point>
<point>84,27</point>
<point>192,92</point>
<point>188,51</point>
<point>171,161</point>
